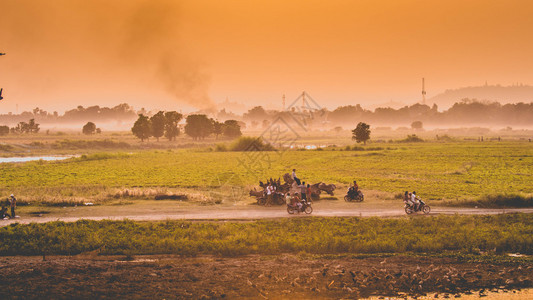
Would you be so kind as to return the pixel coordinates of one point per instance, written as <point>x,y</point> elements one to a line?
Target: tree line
<point>22,127</point>
<point>197,126</point>
<point>466,111</point>
<point>80,114</point>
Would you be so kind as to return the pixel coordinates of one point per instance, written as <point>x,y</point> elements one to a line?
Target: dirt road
<point>238,212</point>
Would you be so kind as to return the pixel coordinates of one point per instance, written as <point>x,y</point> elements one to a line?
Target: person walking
<point>303,191</point>
<point>13,204</point>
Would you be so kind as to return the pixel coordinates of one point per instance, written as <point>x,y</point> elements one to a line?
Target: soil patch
<point>285,276</point>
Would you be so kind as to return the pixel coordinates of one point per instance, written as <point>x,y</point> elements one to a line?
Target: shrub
<point>88,144</point>
<point>445,138</point>
<point>411,139</point>
<point>221,148</point>
<point>6,147</point>
<point>247,143</point>
<point>496,201</point>
<point>4,130</point>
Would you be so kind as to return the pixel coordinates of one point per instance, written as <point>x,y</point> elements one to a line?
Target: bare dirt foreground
<point>89,276</point>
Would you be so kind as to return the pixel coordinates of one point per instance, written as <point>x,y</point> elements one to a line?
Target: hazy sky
<point>170,54</point>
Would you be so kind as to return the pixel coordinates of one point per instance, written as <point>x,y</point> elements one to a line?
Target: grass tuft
<point>495,201</point>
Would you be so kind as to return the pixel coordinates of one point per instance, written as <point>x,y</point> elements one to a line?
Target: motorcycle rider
<point>406,198</point>
<point>355,187</point>
<point>350,192</point>
<point>353,191</point>
<point>415,200</point>
<point>288,199</point>
<point>297,201</point>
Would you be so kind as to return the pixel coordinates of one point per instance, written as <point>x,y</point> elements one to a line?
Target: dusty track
<point>248,213</point>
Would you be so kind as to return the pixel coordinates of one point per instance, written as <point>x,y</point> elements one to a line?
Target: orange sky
<point>166,54</point>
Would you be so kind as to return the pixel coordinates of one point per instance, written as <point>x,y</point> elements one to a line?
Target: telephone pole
<point>423,92</point>
<point>1,89</point>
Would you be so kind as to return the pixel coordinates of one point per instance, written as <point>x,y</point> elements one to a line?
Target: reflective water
<point>496,295</point>
<point>31,158</point>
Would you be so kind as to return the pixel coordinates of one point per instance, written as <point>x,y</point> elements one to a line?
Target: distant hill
<point>502,94</point>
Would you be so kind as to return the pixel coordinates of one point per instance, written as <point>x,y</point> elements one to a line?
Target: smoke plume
<point>75,44</point>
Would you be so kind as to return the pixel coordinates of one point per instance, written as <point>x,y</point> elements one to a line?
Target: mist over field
<point>464,114</point>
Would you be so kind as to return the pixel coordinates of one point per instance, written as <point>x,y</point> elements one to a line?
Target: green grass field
<point>435,235</point>
<point>447,171</point>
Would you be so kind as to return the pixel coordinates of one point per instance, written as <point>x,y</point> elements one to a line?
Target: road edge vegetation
<point>473,235</point>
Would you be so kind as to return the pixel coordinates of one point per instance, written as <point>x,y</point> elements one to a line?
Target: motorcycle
<point>306,207</point>
<point>357,197</point>
<point>422,206</point>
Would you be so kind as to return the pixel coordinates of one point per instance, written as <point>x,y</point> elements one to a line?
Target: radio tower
<point>423,92</point>
<point>1,88</point>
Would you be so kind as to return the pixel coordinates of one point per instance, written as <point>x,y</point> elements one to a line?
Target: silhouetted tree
<point>232,129</point>
<point>256,113</point>
<point>417,125</point>
<point>361,133</point>
<point>218,128</point>
<point>32,126</point>
<point>142,128</point>
<point>95,113</point>
<point>172,118</point>
<point>158,122</point>
<point>346,114</point>
<point>198,126</point>
<point>4,130</point>
<point>89,128</point>
<point>23,127</point>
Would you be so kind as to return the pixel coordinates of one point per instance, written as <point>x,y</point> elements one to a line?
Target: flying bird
<point>2,54</point>
<point>1,94</point>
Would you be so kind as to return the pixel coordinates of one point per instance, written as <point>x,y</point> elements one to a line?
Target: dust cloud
<point>76,44</point>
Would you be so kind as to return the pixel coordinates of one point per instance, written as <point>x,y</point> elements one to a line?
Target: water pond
<point>31,158</point>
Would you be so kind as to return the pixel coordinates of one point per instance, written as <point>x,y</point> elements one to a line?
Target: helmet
<point>12,195</point>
